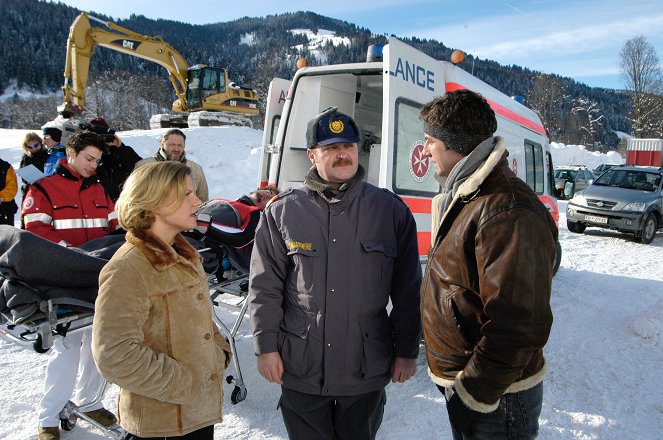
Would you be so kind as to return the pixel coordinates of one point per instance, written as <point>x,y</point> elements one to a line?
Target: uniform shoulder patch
<point>28,202</point>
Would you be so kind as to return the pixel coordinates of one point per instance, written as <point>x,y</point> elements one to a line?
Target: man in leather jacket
<point>486,294</point>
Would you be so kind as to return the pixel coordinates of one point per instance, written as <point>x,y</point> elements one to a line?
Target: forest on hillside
<point>127,90</point>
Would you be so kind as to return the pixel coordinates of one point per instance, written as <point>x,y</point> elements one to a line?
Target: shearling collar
<point>474,181</point>
<point>159,253</point>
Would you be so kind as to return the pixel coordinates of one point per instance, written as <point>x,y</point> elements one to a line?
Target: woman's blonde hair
<point>148,188</point>
<point>30,138</point>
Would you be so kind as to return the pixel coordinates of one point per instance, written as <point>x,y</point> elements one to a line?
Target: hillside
<point>254,50</point>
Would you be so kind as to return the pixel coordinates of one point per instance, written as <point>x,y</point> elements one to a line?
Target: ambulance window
<point>413,174</point>
<point>534,166</point>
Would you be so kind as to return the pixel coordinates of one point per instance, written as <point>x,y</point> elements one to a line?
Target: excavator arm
<point>80,47</point>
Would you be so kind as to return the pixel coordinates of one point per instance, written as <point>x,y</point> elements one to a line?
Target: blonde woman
<point>153,333</point>
<point>34,153</point>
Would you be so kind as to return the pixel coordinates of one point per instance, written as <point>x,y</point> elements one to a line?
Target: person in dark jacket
<point>327,258</point>
<point>118,160</point>
<point>486,296</point>
<point>34,154</point>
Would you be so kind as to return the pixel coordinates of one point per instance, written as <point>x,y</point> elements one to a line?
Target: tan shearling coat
<point>153,336</point>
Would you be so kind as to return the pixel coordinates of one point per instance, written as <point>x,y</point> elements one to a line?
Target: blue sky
<point>580,39</point>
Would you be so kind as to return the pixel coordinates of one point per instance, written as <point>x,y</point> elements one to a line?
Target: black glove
<point>460,416</point>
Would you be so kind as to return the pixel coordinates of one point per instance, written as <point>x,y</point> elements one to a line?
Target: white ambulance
<point>384,98</point>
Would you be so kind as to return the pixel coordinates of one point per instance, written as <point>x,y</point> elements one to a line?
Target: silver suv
<point>626,198</point>
<point>571,178</point>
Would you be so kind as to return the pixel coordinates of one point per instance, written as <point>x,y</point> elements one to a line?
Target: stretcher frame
<point>233,286</point>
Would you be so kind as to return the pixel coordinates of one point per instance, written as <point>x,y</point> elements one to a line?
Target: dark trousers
<point>308,416</point>
<point>206,433</point>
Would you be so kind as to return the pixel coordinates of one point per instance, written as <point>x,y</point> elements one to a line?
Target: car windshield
<point>565,174</point>
<point>630,179</point>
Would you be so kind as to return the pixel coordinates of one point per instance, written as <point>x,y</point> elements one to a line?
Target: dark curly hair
<point>81,139</point>
<point>461,118</point>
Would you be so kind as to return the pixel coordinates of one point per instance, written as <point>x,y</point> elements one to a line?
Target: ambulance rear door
<point>276,98</point>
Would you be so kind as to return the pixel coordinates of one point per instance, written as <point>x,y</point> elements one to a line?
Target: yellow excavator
<point>205,95</point>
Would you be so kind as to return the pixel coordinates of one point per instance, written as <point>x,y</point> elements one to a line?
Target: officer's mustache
<point>342,163</point>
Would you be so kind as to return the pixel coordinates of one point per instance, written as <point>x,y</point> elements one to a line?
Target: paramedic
<point>153,333</point>
<point>486,296</point>
<point>71,207</point>
<point>327,259</point>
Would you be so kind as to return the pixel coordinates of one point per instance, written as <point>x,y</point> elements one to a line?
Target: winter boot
<point>102,416</point>
<point>49,433</point>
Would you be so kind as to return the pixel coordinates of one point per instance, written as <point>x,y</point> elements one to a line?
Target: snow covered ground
<point>604,352</point>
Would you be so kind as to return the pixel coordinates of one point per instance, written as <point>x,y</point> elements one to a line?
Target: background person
<point>486,296</point>
<point>172,147</point>
<point>153,333</point>
<point>118,160</point>
<point>71,207</point>
<point>34,153</point>
<point>8,190</point>
<point>52,138</point>
<point>328,257</point>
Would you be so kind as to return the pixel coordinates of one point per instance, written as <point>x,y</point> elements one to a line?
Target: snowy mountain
<point>604,354</point>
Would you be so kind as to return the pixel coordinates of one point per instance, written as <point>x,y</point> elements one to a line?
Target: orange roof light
<point>457,56</point>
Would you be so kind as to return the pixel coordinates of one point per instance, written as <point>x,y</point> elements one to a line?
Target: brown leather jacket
<point>486,293</point>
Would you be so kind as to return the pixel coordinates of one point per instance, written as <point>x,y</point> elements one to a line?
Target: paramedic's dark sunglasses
<point>33,146</point>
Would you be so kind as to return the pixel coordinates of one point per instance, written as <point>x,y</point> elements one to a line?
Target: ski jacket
<point>68,209</point>
<point>234,222</point>
<point>9,187</point>
<point>54,155</point>
<point>486,293</point>
<point>233,226</point>
<point>197,174</point>
<point>322,273</point>
<point>153,335</point>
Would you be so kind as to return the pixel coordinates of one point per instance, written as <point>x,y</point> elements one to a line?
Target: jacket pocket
<point>304,261</point>
<point>378,344</point>
<point>292,343</point>
<point>380,262</point>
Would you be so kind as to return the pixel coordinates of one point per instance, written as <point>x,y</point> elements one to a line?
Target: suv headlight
<point>578,199</point>
<point>636,206</point>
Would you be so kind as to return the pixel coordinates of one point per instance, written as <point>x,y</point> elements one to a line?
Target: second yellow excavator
<point>205,95</point>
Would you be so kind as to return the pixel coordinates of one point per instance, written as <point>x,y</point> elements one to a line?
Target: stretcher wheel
<point>229,379</point>
<point>238,395</point>
<point>38,345</point>
<point>68,423</point>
